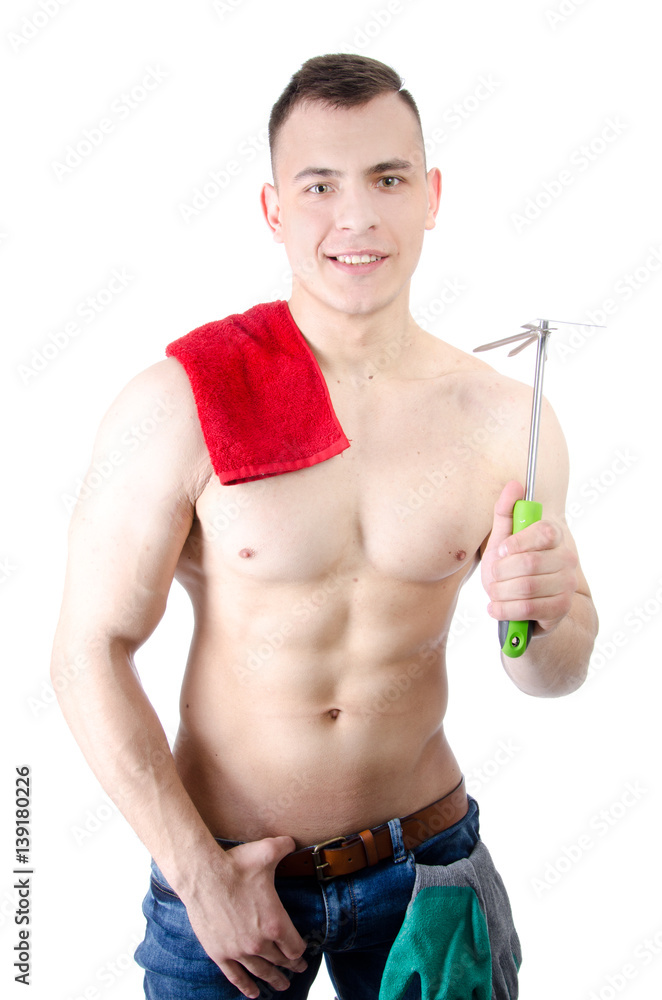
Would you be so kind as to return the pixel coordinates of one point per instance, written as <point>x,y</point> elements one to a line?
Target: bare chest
<point>411,499</point>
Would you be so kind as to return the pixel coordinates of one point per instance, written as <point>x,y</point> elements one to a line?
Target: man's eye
<point>319,188</point>
<point>389,182</point>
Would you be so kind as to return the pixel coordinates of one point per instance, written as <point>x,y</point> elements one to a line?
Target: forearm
<point>556,662</point>
<point>124,743</point>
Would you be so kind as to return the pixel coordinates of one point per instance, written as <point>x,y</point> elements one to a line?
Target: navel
<point>246,553</point>
<point>334,712</point>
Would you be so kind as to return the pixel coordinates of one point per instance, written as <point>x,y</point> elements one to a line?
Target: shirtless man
<point>311,743</point>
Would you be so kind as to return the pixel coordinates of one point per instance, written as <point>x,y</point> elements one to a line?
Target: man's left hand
<point>529,576</point>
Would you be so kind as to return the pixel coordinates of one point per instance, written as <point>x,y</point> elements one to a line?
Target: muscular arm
<point>535,575</point>
<point>125,542</point>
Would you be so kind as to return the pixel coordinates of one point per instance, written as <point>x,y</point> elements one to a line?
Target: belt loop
<point>399,849</point>
<point>369,846</point>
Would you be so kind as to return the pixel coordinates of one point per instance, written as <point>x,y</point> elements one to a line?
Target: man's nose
<point>356,210</point>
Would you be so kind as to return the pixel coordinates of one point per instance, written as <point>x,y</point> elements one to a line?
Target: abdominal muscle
<point>315,718</point>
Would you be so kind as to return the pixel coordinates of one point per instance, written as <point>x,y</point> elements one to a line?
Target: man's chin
<point>358,303</point>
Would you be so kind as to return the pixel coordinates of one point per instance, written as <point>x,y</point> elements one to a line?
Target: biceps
<point>124,545</point>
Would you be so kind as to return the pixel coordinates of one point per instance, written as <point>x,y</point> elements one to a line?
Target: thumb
<point>502,526</point>
<point>261,854</point>
<point>275,848</point>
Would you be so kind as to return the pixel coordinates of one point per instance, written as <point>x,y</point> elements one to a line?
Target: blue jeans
<point>351,921</point>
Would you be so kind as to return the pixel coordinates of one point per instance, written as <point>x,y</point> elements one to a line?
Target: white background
<point>534,82</point>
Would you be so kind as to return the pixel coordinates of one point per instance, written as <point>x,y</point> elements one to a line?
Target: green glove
<point>457,937</point>
<point>443,940</point>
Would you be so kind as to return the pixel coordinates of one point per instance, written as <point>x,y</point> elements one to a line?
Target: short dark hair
<point>340,80</point>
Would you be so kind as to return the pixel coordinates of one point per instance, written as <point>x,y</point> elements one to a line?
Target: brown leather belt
<point>345,855</point>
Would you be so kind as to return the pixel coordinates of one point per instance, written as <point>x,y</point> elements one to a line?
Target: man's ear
<point>434,196</point>
<point>271,209</point>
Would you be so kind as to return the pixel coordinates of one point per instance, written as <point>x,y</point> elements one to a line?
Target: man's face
<point>351,182</point>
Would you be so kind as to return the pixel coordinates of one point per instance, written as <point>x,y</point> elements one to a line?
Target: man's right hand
<point>240,921</point>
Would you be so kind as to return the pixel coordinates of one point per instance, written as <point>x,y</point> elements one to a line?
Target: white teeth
<point>356,259</point>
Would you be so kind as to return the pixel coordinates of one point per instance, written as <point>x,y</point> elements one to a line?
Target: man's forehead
<point>382,130</point>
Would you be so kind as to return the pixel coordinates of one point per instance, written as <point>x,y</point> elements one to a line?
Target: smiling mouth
<point>357,258</point>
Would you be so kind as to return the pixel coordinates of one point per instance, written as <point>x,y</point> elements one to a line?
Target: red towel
<point>263,404</point>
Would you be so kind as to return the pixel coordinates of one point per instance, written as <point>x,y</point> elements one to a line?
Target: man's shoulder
<point>154,422</point>
<point>475,381</point>
<point>166,383</point>
<point>495,408</point>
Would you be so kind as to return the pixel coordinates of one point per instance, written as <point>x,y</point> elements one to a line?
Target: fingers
<point>238,975</point>
<point>264,855</point>
<point>268,963</point>
<point>532,563</point>
<point>547,611</point>
<point>291,947</point>
<point>511,492</point>
<point>274,950</point>
<point>539,536</point>
<point>544,598</point>
<point>532,576</point>
<point>277,848</point>
<point>270,967</point>
<point>502,526</point>
<point>285,945</point>
<point>241,922</point>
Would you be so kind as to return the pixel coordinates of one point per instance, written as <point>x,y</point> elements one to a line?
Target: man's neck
<point>355,347</point>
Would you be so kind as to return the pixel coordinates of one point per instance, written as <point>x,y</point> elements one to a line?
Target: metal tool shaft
<point>536,409</point>
<point>514,636</point>
<point>529,334</point>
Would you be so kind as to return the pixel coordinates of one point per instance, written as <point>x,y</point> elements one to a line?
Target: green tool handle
<point>514,637</point>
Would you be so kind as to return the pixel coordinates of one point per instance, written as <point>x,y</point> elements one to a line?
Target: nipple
<point>246,553</point>
<point>460,555</point>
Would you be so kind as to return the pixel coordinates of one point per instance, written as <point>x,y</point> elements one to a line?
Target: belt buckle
<point>318,864</point>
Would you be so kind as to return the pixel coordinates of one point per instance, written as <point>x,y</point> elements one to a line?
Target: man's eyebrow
<point>317,172</point>
<point>381,168</point>
<point>378,168</point>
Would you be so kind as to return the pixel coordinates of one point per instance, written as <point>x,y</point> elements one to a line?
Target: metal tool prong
<point>531,332</point>
<point>520,347</point>
<point>505,340</point>
<point>566,322</point>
